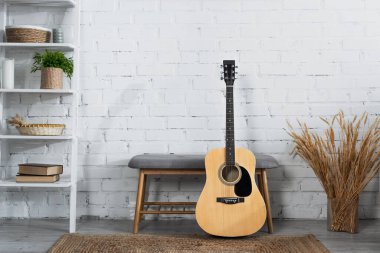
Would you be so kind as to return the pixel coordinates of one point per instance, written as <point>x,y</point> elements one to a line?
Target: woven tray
<point>41,129</point>
<point>27,34</point>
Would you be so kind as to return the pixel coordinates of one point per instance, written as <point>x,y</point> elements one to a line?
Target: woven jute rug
<point>123,243</point>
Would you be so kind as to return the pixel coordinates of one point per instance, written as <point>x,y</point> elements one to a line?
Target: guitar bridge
<point>230,201</point>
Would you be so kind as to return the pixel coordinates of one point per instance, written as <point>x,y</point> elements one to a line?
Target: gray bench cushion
<point>172,161</point>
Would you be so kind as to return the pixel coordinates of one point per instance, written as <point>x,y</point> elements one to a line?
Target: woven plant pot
<point>342,215</point>
<point>27,34</point>
<point>51,78</point>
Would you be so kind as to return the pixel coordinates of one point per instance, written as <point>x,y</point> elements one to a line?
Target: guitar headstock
<point>228,73</point>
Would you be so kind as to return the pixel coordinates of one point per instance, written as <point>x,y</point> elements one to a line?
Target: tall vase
<point>342,215</point>
<point>51,78</point>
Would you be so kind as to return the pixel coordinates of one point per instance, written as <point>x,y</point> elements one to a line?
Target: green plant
<point>50,59</point>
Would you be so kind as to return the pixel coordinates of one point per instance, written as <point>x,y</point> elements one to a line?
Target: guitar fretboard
<point>230,132</point>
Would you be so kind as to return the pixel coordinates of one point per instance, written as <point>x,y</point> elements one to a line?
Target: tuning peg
<point>221,66</point>
<point>236,67</point>
<point>221,78</point>
<point>236,73</point>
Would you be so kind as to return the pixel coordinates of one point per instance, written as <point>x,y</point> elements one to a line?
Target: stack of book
<point>38,173</point>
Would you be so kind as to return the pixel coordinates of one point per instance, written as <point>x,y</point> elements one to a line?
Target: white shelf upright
<point>6,180</point>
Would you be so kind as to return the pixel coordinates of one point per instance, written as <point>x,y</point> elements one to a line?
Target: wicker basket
<point>25,128</point>
<point>27,34</point>
<point>41,129</point>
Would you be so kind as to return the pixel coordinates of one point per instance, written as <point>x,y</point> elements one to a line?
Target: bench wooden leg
<point>259,181</point>
<point>143,196</point>
<point>265,192</point>
<point>139,201</point>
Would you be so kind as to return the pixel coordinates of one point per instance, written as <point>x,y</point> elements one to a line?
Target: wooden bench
<point>171,164</point>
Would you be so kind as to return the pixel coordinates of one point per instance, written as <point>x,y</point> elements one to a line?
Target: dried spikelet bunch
<point>343,162</point>
<point>17,121</point>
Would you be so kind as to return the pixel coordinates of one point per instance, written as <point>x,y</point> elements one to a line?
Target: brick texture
<point>149,83</point>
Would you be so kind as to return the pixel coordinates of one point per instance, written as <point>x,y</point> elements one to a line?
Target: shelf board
<point>66,47</point>
<point>47,3</point>
<point>32,137</point>
<point>37,91</point>
<point>12,183</point>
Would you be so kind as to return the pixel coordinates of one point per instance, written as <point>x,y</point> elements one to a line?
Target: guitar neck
<point>230,129</point>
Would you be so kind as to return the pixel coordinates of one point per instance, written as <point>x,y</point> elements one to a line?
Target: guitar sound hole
<point>230,174</point>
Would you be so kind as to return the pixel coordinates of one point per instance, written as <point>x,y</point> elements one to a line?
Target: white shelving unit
<point>49,3</point>
<point>6,139</point>
<point>37,91</point>
<point>64,47</point>
<point>27,137</point>
<point>60,184</point>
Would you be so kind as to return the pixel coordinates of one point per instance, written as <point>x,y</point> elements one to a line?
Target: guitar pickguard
<point>244,187</point>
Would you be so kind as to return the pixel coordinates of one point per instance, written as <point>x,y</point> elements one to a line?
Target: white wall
<point>150,83</point>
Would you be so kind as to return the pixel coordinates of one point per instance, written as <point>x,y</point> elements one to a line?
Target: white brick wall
<point>149,77</point>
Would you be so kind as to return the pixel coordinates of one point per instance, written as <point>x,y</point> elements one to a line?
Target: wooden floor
<point>39,235</point>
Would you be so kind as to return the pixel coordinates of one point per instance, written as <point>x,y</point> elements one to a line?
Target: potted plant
<point>344,162</point>
<point>52,66</point>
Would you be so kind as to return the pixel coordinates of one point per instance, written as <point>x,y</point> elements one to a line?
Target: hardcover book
<point>36,179</point>
<point>40,169</point>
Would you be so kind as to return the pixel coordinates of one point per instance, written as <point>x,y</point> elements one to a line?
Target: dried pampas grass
<point>344,162</point>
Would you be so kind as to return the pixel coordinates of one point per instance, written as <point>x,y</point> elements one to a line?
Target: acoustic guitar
<point>230,204</point>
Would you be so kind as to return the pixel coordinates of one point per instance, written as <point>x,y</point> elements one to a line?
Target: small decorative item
<point>25,128</point>
<point>52,66</point>
<point>8,74</point>
<point>27,34</point>
<point>57,35</point>
<point>344,163</point>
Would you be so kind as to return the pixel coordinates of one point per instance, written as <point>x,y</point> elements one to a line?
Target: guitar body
<point>230,219</point>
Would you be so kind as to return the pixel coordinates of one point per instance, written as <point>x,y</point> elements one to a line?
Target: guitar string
<point>227,143</point>
<point>230,140</point>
